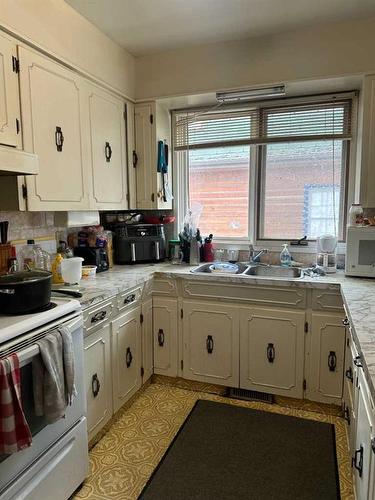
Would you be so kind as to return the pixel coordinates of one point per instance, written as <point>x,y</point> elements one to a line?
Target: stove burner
<point>45,308</point>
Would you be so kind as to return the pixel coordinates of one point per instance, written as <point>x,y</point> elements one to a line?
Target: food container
<point>88,272</point>
<point>71,270</point>
<point>25,292</point>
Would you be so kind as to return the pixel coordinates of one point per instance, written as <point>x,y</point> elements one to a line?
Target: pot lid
<point>25,277</point>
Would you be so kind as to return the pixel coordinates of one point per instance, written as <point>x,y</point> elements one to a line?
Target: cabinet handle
<point>59,139</point>
<point>349,374</point>
<point>373,445</point>
<point>108,152</point>
<point>210,344</point>
<point>161,337</point>
<point>345,322</point>
<point>358,464</point>
<point>99,316</point>
<point>332,361</point>
<point>347,415</point>
<point>95,385</point>
<point>129,299</point>
<point>135,159</point>
<point>129,357</point>
<point>357,361</point>
<point>271,353</point>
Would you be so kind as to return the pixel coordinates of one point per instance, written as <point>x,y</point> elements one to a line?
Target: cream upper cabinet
<point>151,124</point>
<point>327,356</point>
<point>211,343</point>
<point>98,379</point>
<point>367,184</point>
<point>52,107</point>
<point>272,351</point>
<point>165,336</point>
<point>106,115</point>
<point>147,340</point>
<point>10,132</point>
<point>126,356</point>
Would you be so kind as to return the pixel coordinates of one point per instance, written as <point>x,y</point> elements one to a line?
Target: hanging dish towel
<point>53,375</point>
<point>15,434</point>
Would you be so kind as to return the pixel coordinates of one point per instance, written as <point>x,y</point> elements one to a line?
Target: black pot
<point>25,292</point>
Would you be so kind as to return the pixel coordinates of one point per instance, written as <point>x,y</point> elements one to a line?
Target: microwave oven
<point>360,251</point>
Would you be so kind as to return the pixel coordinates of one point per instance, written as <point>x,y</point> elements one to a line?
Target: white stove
<point>13,326</point>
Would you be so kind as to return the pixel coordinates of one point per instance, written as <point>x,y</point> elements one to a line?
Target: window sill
<point>272,246</point>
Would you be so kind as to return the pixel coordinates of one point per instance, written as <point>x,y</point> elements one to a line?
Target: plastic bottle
<point>56,269</point>
<point>29,255</point>
<point>285,257</point>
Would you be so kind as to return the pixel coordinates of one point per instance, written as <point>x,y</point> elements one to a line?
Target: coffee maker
<point>326,258</point>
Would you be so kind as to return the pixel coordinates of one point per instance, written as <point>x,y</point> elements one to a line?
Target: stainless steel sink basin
<point>274,272</point>
<point>205,268</point>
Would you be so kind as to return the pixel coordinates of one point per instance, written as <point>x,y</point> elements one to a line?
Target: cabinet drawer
<point>325,300</point>
<point>165,286</point>
<point>128,299</point>
<point>246,293</point>
<point>97,315</point>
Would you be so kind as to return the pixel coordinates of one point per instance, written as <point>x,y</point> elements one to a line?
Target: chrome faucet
<point>254,257</point>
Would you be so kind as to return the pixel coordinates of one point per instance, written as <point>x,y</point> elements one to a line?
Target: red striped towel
<point>14,431</point>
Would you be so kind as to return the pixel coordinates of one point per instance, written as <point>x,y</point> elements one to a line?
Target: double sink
<point>254,270</point>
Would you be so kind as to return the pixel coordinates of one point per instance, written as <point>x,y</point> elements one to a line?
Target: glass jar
<point>355,215</point>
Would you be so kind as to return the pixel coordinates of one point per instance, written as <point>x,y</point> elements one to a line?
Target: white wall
<point>57,28</point>
<point>338,49</point>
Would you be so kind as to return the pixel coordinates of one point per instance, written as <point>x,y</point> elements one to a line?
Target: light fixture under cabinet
<point>253,94</point>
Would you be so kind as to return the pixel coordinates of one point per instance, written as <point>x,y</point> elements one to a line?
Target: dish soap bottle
<point>56,269</point>
<point>285,257</point>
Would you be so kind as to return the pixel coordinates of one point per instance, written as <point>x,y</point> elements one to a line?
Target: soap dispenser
<point>285,257</point>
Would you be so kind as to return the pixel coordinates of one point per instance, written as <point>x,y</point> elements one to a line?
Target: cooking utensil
<point>25,291</point>
<point>70,293</point>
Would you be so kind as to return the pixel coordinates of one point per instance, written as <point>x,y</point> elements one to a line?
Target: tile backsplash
<point>31,225</point>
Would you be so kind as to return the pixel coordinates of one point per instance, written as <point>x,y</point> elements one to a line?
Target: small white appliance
<point>326,253</point>
<point>360,251</point>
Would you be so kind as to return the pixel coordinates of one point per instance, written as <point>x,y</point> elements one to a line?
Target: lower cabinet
<point>126,356</point>
<point>363,459</point>
<point>272,350</point>
<point>98,379</point>
<point>147,341</point>
<point>327,356</point>
<point>165,329</point>
<point>211,343</point>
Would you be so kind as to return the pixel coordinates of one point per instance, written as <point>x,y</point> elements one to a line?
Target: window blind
<point>317,121</point>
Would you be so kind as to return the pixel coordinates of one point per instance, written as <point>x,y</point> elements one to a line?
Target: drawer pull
<point>129,357</point>
<point>161,337</point>
<point>59,139</point>
<point>210,344</point>
<point>357,361</point>
<point>349,374</point>
<point>271,353</point>
<point>99,316</point>
<point>332,361</point>
<point>347,415</point>
<point>129,299</point>
<point>345,322</point>
<point>358,462</point>
<point>108,152</point>
<point>95,385</point>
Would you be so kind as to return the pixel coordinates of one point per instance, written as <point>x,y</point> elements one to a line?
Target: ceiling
<point>150,26</point>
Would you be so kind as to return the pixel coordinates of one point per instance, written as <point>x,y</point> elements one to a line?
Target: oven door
<point>44,434</point>
<point>360,252</point>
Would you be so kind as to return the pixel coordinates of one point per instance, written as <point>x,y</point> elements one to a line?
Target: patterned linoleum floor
<point>123,460</point>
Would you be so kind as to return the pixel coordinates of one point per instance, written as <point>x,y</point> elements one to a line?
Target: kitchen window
<point>272,172</point>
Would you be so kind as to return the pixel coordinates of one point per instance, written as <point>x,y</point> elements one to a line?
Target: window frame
<point>256,166</point>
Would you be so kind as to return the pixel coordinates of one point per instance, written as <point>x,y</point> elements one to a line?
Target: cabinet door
<point>9,95</point>
<point>108,150</point>
<point>326,374</point>
<point>126,356</point>
<point>363,458</point>
<point>98,379</point>
<point>165,336</point>
<point>147,341</point>
<point>145,147</point>
<point>211,343</point>
<point>52,111</point>
<point>272,351</point>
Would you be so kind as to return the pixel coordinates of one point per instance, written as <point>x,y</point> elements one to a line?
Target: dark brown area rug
<point>230,452</point>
